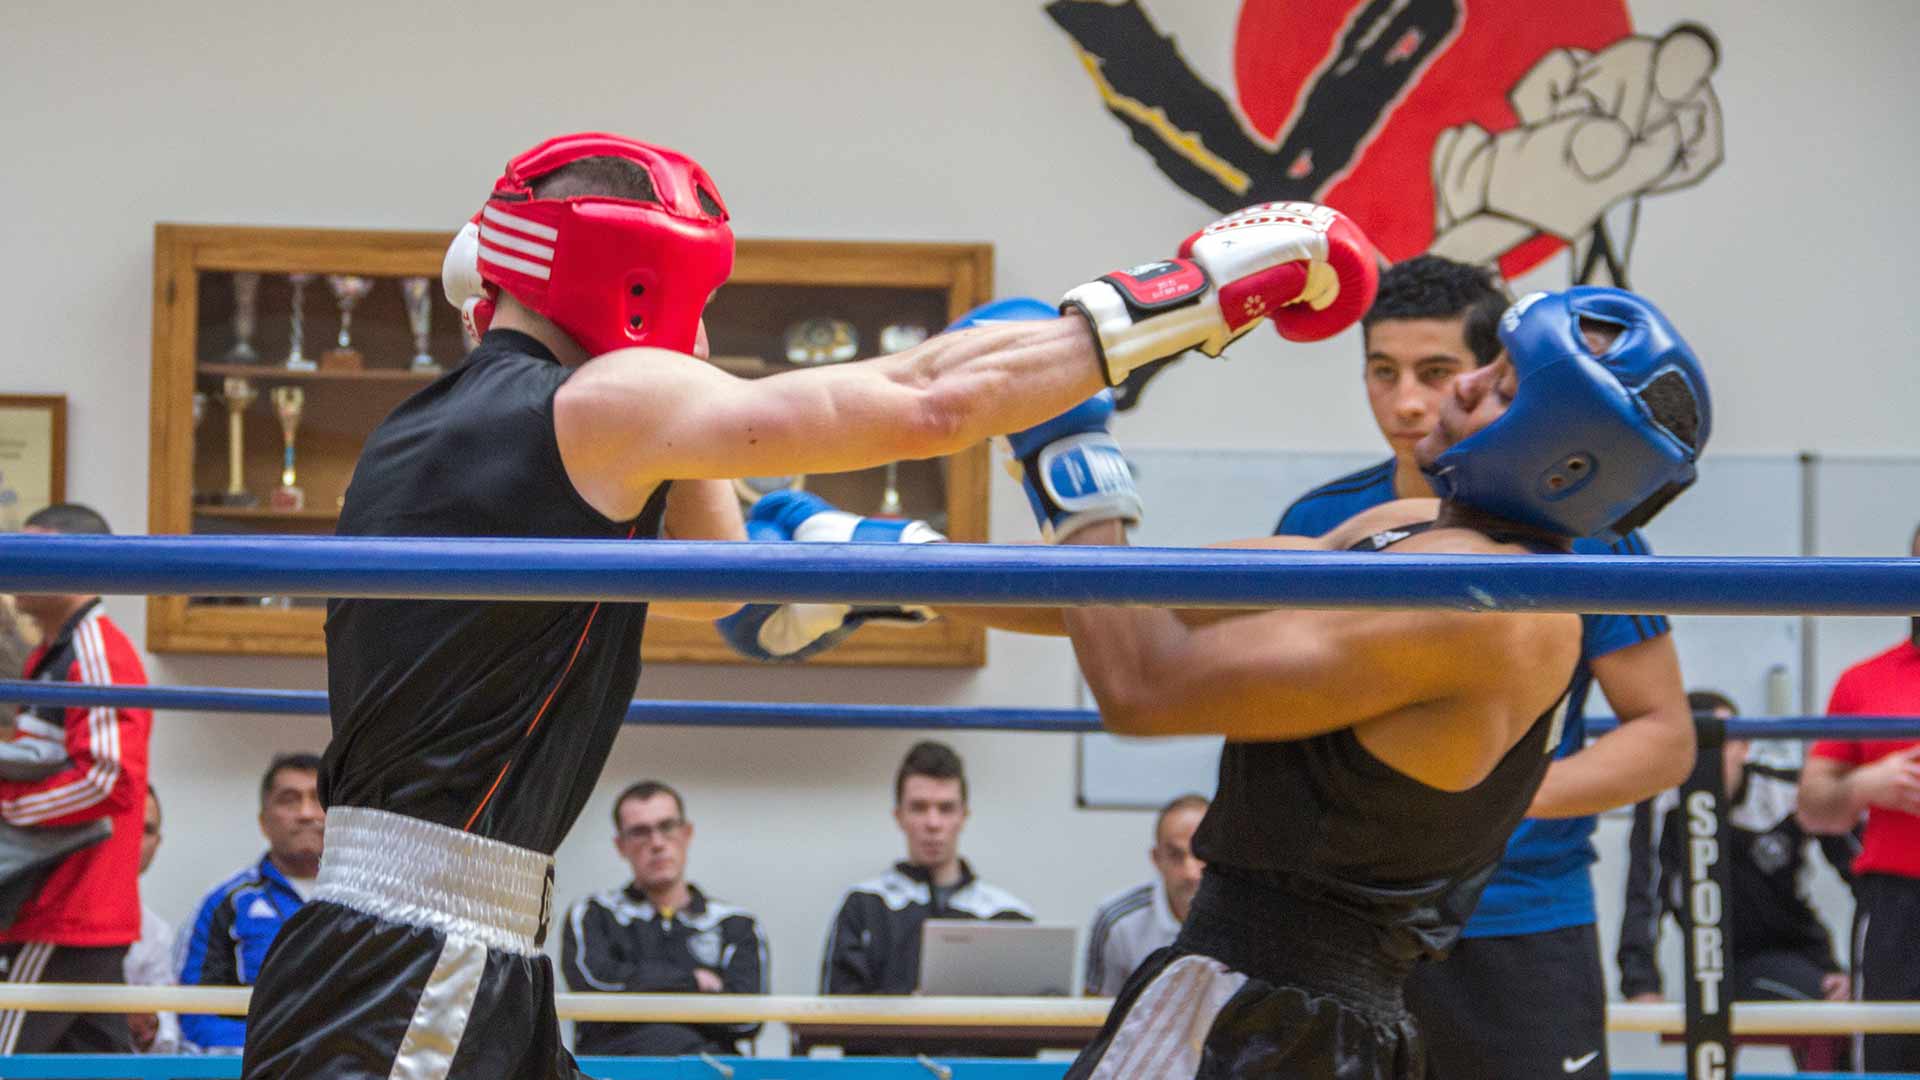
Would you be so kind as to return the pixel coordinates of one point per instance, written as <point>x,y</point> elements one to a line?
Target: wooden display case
<point>197,278</point>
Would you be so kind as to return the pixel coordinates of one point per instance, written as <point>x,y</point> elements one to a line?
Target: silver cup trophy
<point>246,297</point>
<point>288,403</point>
<point>297,351</point>
<point>418,292</point>
<point>348,290</point>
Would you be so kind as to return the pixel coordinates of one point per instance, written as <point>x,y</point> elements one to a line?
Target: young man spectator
<point>1881,779</point>
<point>1523,995</point>
<point>874,944</point>
<point>150,960</point>
<point>1129,927</point>
<point>1781,951</point>
<point>77,923</point>
<point>660,934</point>
<point>238,920</point>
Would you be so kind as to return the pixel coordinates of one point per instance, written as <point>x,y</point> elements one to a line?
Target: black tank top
<point>490,716</point>
<point>1324,821</point>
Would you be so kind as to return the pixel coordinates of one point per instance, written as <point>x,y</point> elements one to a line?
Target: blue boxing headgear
<point>1592,445</point>
<point>1012,309</point>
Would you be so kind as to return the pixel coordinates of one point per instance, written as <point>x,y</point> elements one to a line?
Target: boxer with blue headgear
<point>1599,435</point>
<point>1377,761</point>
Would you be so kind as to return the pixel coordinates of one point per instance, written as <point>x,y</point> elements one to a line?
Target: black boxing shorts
<point>1257,987</point>
<point>417,958</point>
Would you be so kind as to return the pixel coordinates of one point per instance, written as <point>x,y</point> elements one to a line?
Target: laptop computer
<point>978,958</point>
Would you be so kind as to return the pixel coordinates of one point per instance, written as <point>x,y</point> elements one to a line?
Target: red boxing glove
<point>1307,267</point>
<point>1328,285</point>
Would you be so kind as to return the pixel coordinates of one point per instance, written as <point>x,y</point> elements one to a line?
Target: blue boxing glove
<point>793,632</point>
<point>1073,472</point>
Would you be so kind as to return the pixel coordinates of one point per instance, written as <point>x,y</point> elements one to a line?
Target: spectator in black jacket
<point>660,934</point>
<point>1780,948</point>
<point>874,944</point>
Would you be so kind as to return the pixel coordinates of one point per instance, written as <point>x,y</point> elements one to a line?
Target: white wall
<point>864,119</point>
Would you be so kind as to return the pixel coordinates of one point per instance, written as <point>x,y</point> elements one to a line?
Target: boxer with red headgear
<point>467,735</point>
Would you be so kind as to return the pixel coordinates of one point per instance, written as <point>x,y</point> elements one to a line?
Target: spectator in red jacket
<point>76,925</point>
<point>1879,778</point>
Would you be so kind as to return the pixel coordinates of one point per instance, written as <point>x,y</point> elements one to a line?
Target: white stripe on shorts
<point>426,1052</point>
<point>1163,1034</point>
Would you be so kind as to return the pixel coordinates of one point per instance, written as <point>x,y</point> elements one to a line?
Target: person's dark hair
<point>599,175</point>
<point>281,763</point>
<point>155,793</point>
<point>1708,702</point>
<point>647,789</point>
<point>1190,801</point>
<point>70,518</point>
<point>1430,287</point>
<point>934,759</point>
<point>1914,541</point>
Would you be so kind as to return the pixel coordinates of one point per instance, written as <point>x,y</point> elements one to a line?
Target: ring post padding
<point>950,574</point>
<point>1705,921</point>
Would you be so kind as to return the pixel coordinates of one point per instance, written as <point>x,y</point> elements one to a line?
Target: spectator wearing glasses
<point>660,934</point>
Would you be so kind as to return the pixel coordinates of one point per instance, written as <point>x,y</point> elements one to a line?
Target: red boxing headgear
<point>609,271</point>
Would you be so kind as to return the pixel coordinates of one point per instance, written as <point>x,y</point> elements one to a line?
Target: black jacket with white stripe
<point>617,941</point>
<point>874,944</point>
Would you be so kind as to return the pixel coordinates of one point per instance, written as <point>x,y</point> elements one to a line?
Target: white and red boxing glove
<point>1307,267</point>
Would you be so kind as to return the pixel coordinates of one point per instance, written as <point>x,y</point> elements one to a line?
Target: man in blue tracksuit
<point>238,920</point>
<point>1522,997</point>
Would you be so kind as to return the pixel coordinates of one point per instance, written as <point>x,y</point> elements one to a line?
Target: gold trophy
<point>238,394</point>
<point>288,401</point>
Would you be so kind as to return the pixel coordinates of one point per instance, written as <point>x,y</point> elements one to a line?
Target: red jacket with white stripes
<point>93,897</point>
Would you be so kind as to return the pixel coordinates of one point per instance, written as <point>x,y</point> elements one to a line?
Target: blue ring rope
<point>121,1067</point>
<point>811,715</point>
<point>949,574</point>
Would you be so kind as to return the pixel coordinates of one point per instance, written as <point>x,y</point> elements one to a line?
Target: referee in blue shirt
<point>1522,997</point>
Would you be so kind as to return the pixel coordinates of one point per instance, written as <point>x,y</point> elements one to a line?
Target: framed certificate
<point>33,456</point>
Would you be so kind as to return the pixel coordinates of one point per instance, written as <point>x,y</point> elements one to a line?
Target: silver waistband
<point>417,873</point>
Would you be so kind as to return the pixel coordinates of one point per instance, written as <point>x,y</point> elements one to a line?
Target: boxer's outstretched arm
<point>1295,673</point>
<point>630,419</point>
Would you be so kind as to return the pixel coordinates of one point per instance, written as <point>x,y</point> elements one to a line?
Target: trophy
<point>893,338</point>
<point>821,341</point>
<point>896,337</point>
<point>246,292</point>
<point>348,290</point>
<point>297,355</point>
<point>199,413</point>
<point>238,394</point>
<point>287,404</point>
<point>419,295</point>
